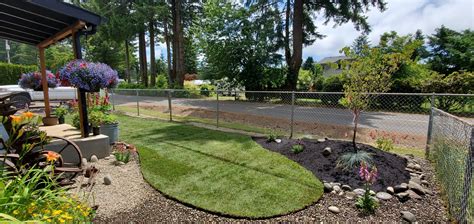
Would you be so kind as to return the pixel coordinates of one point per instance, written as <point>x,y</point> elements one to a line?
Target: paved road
<point>385,121</point>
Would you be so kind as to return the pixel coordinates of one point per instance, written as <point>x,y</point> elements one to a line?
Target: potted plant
<point>95,119</point>
<point>110,127</point>
<point>32,80</point>
<point>88,76</point>
<point>60,112</point>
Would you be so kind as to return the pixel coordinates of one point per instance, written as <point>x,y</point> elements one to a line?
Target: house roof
<point>34,21</point>
<point>333,59</point>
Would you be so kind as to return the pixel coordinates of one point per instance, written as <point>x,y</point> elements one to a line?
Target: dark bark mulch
<point>391,167</point>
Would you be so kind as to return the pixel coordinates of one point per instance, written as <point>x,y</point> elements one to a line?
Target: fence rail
<point>404,117</point>
<point>451,150</point>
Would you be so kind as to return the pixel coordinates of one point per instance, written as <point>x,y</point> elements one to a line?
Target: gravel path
<point>129,199</point>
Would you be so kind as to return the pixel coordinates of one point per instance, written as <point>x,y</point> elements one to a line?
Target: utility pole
<point>7,48</point>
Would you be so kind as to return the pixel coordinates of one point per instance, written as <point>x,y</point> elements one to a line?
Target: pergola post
<point>82,101</point>
<point>44,82</point>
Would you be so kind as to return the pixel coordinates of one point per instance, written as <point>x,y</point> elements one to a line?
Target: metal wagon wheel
<point>69,164</point>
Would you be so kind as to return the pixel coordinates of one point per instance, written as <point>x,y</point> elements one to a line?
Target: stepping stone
<point>383,196</point>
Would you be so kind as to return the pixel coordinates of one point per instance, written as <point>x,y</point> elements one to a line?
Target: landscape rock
<point>408,216</point>
<point>107,180</point>
<point>383,196</point>
<point>107,157</point>
<point>119,163</point>
<point>416,188</point>
<point>359,191</point>
<point>390,190</point>
<point>327,151</point>
<point>413,195</point>
<point>417,167</point>
<point>341,193</point>
<point>321,140</point>
<point>327,187</point>
<point>336,188</point>
<point>335,184</point>
<point>334,209</point>
<point>402,197</point>
<point>94,159</point>
<point>278,140</point>
<point>350,195</point>
<point>425,183</point>
<point>84,162</point>
<point>416,180</point>
<point>346,187</point>
<point>400,188</point>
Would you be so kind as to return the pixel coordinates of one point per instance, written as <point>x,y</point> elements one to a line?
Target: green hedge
<point>10,73</point>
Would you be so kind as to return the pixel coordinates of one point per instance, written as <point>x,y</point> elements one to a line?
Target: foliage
<point>351,160</point>
<point>308,64</point>
<point>96,117</point>
<point>161,81</point>
<point>360,43</point>
<point>76,120</point>
<point>272,136</point>
<point>334,83</point>
<point>369,175</point>
<point>89,76</point>
<point>385,144</point>
<point>297,148</point>
<point>126,85</point>
<point>123,152</point>
<point>32,80</point>
<point>11,73</point>
<point>61,111</point>
<point>312,79</point>
<point>36,196</point>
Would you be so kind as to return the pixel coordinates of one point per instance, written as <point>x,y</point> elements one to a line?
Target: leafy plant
<point>367,203</point>
<point>123,152</point>
<point>76,120</point>
<point>35,196</point>
<point>60,111</point>
<point>96,118</point>
<point>297,148</point>
<point>272,136</point>
<point>109,119</point>
<point>350,160</point>
<point>386,144</point>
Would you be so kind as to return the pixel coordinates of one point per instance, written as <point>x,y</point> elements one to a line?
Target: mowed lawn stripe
<point>220,172</point>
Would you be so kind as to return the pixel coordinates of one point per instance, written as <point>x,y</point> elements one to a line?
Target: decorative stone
<point>321,140</point>
<point>417,167</point>
<point>359,191</point>
<point>278,140</point>
<point>416,188</point>
<point>402,197</point>
<point>408,216</point>
<point>413,195</point>
<point>400,188</point>
<point>416,180</point>
<point>94,159</point>
<point>327,187</point>
<point>107,157</point>
<point>119,163</point>
<point>350,195</point>
<point>334,209</point>
<point>84,162</point>
<point>107,180</point>
<point>335,184</point>
<point>425,183</point>
<point>327,151</point>
<point>336,188</point>
<point>346,187</point>
<point>341,193</point>
<point>383,196</point>
<point>390,190</point>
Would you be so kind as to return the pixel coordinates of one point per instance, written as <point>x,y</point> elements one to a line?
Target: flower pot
<point>111,130</point>
<point>96,130</point>
<point>50,121</point>
<point>61,120</point>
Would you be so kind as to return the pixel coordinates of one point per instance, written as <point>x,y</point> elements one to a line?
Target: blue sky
<point>402,16</point>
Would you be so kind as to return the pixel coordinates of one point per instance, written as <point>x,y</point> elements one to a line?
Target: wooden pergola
<point>45,22</point>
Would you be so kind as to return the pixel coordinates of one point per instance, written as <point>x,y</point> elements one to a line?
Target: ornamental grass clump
<point>89,76</point>
<point>32,80</point>
<point>368,174</point>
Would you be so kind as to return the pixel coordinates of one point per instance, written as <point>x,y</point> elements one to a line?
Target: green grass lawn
<point>220,172</point>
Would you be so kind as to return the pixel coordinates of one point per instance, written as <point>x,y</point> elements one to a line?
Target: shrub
<point>297,148</point>
<point>76,120</point>
<point>272,136</point>
<point>161,81</point>
<point>126,85</point>
<point>350,160</point>
<point>35,196</point>
<point>11,73</point>
<point>385,144</point>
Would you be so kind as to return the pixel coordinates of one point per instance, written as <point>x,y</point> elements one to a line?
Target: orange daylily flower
<point>28,114</point>
<point>16,119</point>
<point>52,156</point>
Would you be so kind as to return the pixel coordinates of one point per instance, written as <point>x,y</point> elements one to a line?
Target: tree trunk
<point>178,43</point>
<point>287,33</point>
<point>168,52</point>
<point>296,57</point>
<point>127,62</point>
<point>142,56</point>
<point>152,53</point>
<point>356,122</point>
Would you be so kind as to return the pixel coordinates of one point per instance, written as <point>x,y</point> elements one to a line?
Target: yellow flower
<point>56,212</point>
<point>28,115</point>
<point>16,212</point>
<point>61,220</point>
<point>66,216</point>
<point>16,119</point>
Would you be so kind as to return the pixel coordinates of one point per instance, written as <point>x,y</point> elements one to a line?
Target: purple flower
<point>369,175</point>
<point>89,76</point>
<point>32,80</point>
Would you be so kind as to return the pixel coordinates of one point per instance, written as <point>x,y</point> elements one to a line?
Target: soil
<point>391,167</point>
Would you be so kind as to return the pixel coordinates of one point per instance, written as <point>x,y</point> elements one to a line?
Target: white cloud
<point>402,16</point>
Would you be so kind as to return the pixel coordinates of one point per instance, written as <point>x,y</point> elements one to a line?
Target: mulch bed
<point>391,167</point>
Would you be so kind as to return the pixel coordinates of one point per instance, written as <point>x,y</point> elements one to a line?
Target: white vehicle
<point>61,93</point>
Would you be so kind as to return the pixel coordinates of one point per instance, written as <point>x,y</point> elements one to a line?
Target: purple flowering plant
<point>32,80</point>
<point>369,175</point>
<point>89,76</point>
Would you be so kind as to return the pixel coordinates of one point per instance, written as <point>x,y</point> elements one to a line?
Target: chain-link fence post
<point>138,103</point>
<point>430,126</point>
<point>217,108</point>
<point>113,99</point>
<point>292,113</point>
<point>169,104</point>
<point>467,180</point>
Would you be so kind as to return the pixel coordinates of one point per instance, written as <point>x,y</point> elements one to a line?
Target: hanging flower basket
<point>32,80</point>
<point>88,76</point>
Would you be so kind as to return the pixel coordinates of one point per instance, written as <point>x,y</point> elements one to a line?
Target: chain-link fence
<point>451,150</point>
<point>402,117</point>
